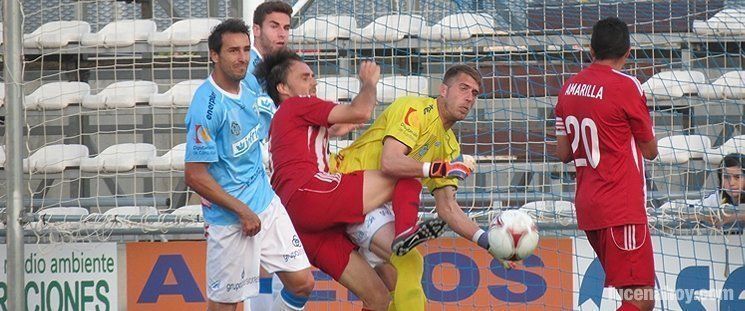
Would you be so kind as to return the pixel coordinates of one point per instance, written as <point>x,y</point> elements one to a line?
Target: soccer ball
<point>513,236</point>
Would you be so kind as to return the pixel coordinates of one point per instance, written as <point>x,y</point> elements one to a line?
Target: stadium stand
<point>121,33</point>
<point>56,34</point>
<point>123,94</point>
<point>57,95</point>
<point>120,158</point>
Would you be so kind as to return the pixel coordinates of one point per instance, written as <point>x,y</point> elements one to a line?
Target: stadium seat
<point>56,34</point>
<point>390,88</point>
<point>2,94</point>
<point>121,33</point>
<point>2,156</point>
<point>678,149</point>
<point>674,83</point>
<point>172,160</point>
<point>726,22</point>
<point>1,33</point>
<point>460,27</point>
<point>391,28</point>
<point>730,85</point>
<point>119,158</point>
<point>324,29</point>
<point>132,211</point>
<point>179,95</point>
<point>188,210</point>
<point>71,211</point>
<point>549,209</point>
<point>185,32</point>
<point>55,158</point>
<point>734,144</point>
<point>338,88</point>
<point>124,94</point>
<point>57,95</point>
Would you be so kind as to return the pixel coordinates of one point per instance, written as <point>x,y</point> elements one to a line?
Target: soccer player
<point>322,204</point>
<point>602,123</point>
<point>412,136</point>
<point>246,224</point>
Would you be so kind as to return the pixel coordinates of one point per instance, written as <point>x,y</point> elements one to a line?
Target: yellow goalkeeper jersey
<point>415,122</point>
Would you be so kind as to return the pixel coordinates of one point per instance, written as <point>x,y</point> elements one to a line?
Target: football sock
<point>265,298</point>
<point>287,301</point>
<point>406,203</point>
<point>409,294</point>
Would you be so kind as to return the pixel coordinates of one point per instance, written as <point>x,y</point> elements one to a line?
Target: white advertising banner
<point>693,273</point>
<point>76,276</point>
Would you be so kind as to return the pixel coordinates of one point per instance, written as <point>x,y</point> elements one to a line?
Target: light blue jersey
<point>224,130</point>
<point>264,106</point>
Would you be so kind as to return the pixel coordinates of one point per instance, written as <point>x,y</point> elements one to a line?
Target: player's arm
<point>648,149</point>
<point>395,162</point>
<point>448,209</point>
<point>362,106</point>
<point>563,148</point>
<point>199,179</point>
<point>640,122</point>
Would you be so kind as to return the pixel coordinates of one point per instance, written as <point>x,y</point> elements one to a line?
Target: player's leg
<point>404,197</point>
<point>282,253</point>
<point>227,278</point>
<point>363,281</point>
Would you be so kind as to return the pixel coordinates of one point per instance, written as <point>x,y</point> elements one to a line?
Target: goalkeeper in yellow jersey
<point>413,138</point>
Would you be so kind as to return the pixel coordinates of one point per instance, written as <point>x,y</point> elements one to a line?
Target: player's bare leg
<point>297,286</point>
<point>636,298</point>
<point>362,280</point>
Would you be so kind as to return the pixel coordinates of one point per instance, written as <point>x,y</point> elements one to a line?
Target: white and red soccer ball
<point>513,235</point>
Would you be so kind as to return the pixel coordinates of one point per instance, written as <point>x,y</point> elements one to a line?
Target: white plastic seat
<point>549,209</point>
<point>460,27</point>
<point>172,160</point>
<point>188,210</point>
<point>729,85</point>
<point>57,95</point>
<point>2,156</point>
<point>119,158</point>
<point>132,211</point>
<point>337,88</point>
<point>55,158</point>
<point>733,145</point>
<point>1,33</point>
<point>184,32</point>
<point>324,29</point>
<point>71,211</point>
<point>2,94</point>
<point>681,148</point>
<point>121,33</point>
<point>124,94</point>
<point>390,88</point>
<point>56,34</point>
<point>726,22</point>
<point>674,83</point>
<point>180,95</point>
<point>391,28</point>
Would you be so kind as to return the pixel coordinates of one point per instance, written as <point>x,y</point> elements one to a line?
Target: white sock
<point>281,305</point>
<point>260,302</point>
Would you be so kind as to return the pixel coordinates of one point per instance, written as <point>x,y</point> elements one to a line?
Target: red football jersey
<point>603,113</point>
<point>298,142</point>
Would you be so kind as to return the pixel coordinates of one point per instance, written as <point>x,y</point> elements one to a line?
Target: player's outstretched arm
<point>395,162</point>
<point>449,211</point>
<point>364,103</point>
<point>199,179</point>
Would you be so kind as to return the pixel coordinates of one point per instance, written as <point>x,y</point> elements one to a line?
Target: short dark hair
<point>233,25</point>
<point>270,7</point>
<point>273,70</point>
<point>610,39</point>
<point>731,160</point>
<point>454,71</point>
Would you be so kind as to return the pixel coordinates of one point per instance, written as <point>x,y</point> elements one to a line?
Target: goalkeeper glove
<point>440,169</point>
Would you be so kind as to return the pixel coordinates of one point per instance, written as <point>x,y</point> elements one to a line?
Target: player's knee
<point>303,286</point>
<point>378,300</point>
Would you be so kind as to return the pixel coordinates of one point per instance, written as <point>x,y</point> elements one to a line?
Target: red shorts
<point>321,211</point>
<point>625,252</point>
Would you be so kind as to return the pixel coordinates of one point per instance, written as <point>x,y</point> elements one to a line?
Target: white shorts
<point>233,258</point>
<point>362,234</point>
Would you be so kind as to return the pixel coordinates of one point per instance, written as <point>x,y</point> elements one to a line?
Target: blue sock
<point>265,285</point>
<point>297,302</point>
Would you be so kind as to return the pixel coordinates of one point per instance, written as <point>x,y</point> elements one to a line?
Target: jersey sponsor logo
<point>201,132</point>
<point>411,119</point>
<point>295,240</point>
<point>428,109</point>
<point>211,105</point>
<point>584,90</point>
<point>244,144</point>
<point>292,255</point>
<point>423,150</point>
<point>264,104</point>
<point>235,128</point>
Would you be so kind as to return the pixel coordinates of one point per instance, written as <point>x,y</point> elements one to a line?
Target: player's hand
<point>250,223</point>
<point>456,169</point>
<point>468,160</point>
<point>369,73</point>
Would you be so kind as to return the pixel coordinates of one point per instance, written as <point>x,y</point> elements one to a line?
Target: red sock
<point>406,203</point>
<point>627,306</point>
